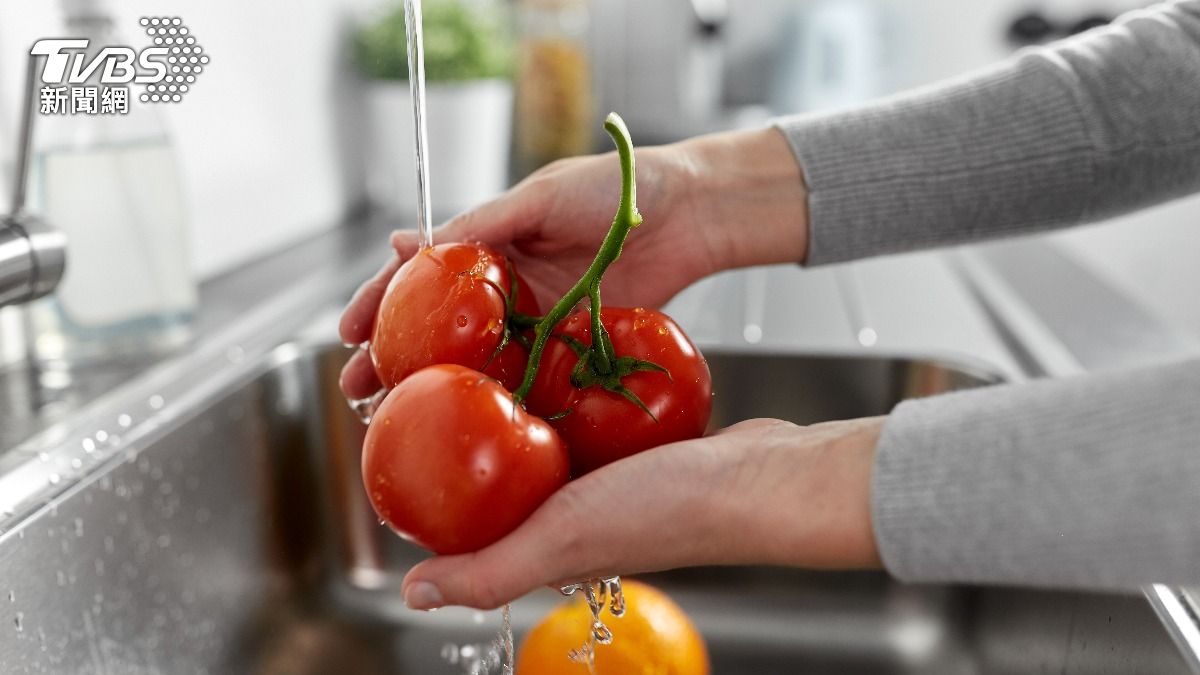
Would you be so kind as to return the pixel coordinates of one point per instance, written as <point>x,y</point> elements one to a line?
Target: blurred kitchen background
<point>274,141</point>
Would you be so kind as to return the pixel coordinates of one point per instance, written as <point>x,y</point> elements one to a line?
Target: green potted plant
<point>468,66</point>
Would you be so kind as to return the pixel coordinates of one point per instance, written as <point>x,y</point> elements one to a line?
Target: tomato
<point>601,426</point>
<point>447,304</point>
<point>509,365</point>
<point>452,464</point>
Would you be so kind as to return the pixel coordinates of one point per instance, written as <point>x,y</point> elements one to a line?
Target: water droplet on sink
<point>156,402</point>
<point>54,478</point>
<point>89,446</point>
<point>752,333</point>
<point>101,436</point>
<point>44,456</point>
<point>76,463</point>
<point>124,421</point>
<point>19,621</point>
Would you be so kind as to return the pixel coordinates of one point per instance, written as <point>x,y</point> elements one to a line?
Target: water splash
<point>597,593</point>
<point>497,657</point>
<point>364,408</point>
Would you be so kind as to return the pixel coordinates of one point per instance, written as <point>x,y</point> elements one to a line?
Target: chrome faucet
<point>32,253</point>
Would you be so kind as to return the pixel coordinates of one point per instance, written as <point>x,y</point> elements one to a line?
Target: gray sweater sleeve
<point>1091,481</point>
<point>1087,128</point>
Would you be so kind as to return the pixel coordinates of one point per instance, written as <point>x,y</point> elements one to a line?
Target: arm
<point>1084,129</point>
<point>1091,481</point>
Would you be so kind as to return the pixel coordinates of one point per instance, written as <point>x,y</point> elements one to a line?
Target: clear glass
<point>111,183</point>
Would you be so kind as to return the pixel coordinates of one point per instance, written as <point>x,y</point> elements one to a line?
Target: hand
<point>708,204</point>
<point>758,492</point>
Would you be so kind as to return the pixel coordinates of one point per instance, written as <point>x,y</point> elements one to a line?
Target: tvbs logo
<point>66,63</point>
<point>73,67</point>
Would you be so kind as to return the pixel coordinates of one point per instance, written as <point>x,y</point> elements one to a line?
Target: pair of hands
<point>762,491</point>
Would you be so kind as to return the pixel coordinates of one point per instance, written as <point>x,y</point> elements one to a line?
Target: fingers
<point>358,319</point>
<point>358,380</point>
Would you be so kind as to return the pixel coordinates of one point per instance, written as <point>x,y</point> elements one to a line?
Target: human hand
<point>758,492</point>
<point>708,204</point>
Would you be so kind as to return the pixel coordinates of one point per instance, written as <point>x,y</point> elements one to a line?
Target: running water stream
<point>474,660</point>
<point>482,659</point>
<point>416,84</point>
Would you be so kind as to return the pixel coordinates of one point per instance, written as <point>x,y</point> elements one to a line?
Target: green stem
<point>626,219</point>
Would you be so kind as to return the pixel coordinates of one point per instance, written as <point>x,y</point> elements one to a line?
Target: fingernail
<point>423,595</point>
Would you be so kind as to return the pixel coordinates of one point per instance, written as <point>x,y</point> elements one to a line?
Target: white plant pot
<point>470,125</point>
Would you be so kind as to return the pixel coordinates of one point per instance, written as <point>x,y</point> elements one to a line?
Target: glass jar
<point>112,184</point>
<point>555,104</point>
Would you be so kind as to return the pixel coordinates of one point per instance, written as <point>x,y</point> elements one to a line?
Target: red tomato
<point>509,365</point>
<point>601,426</point>
<point>450,463</point>
<point>448,305</point>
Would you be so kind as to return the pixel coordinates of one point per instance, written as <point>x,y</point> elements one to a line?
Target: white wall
<point>268,137</point>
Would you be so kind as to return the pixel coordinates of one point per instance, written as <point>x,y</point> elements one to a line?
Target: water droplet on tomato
<point>461,321</point>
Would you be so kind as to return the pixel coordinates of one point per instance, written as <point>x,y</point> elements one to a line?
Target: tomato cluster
<point>492,408</point>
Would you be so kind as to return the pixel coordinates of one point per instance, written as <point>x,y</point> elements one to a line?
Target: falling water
<point>475,659</point>
<point>597,592</point>
<point>501,652</point>
<point>416,83</point>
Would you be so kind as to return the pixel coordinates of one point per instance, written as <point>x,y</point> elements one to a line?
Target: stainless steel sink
<point>235,538</point>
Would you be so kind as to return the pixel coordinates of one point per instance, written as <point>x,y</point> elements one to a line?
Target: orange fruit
<point>654,637</point>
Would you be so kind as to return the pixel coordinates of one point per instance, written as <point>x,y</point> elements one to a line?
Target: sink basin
<point>237,539</point>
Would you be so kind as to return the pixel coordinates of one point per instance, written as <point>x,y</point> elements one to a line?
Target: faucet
<point>32,253</point>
